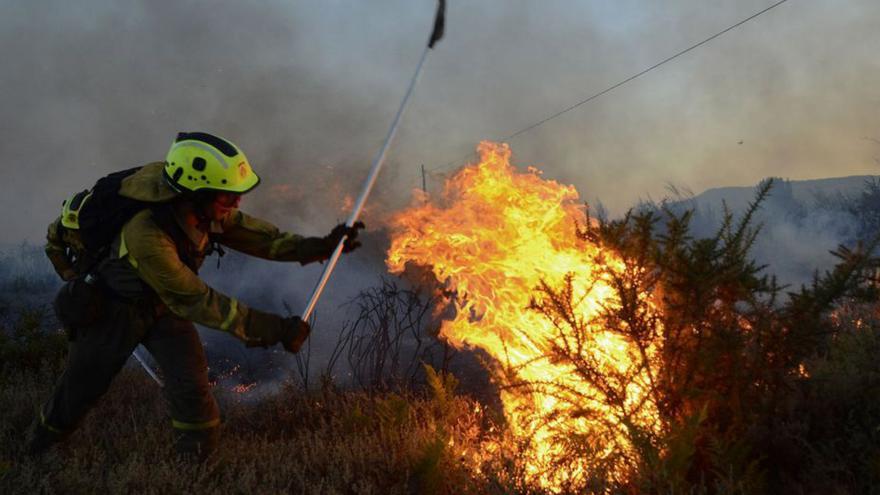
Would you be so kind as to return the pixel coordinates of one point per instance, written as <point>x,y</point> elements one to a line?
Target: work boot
<point>40,439</point>
<point>197,445</point>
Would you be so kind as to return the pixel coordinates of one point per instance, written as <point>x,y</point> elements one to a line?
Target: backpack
<point>98,214</point>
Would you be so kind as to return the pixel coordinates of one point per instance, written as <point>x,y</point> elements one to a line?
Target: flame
<point>243,388</point>
<point>491,239</point>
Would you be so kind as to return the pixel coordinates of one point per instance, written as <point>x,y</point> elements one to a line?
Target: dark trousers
<point>98,352</point>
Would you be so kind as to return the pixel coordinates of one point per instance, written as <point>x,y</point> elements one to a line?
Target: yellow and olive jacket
<point>157,248</point>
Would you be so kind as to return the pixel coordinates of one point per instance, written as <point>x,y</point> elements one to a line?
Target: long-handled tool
<point>436,34</point>
<point>147,367</point>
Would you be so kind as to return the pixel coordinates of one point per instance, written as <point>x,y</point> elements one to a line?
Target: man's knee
<point>86,378</point>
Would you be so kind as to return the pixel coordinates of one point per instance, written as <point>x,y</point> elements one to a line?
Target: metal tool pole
<point>377,164</point>
<point>147,368</point>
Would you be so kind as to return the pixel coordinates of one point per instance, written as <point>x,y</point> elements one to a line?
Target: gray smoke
<point>308,89</point>
<point>800,222</point>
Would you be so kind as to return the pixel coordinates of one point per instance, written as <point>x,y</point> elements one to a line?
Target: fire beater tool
<point>436,34</point>
<point>147,367</point>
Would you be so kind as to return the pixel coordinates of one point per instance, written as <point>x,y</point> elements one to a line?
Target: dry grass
<point>292,442</point>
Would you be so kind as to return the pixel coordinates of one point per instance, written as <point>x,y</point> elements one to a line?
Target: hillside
<point>801,221</point>
<point>737,197</point>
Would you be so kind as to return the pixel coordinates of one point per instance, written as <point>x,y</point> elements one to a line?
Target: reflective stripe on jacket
<point>155,257</point>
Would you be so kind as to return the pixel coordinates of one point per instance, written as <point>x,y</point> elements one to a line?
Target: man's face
<point>222,205</point>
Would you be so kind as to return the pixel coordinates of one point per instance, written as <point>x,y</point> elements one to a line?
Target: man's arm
<point>260,238</point>
<point>154,256</point>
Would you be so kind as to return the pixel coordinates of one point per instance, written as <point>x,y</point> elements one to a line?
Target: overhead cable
<point>619,84</point>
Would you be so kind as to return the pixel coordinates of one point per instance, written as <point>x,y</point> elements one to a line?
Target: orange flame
<point>491,238</point>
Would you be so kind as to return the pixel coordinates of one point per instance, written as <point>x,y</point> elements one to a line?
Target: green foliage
<point>836,420</point>
<point>728,350</point>
<point>28,345</point>
<point>393,411</point>
<point>435,457</point>
<point>666,466</point>
<point>441,387</point>
<point>428,470</point>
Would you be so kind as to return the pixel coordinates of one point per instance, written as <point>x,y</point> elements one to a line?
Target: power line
<point>621,83</point>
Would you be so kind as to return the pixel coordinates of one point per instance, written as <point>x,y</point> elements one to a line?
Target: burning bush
<point>630,356</point>
<point>496,236</point>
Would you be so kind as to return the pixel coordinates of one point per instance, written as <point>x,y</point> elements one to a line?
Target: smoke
<point>799,223</point>
<point>308,88</point>
<point>89,94</point>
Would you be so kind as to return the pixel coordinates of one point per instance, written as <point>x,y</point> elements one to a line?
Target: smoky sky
<point>308,89</point>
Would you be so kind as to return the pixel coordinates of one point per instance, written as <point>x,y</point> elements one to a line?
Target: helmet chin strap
<point>201,202</point>
<point>201,214</point>
<point>195,206</point>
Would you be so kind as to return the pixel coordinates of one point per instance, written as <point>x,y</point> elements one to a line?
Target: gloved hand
<point>266,329</point>
<point>321,248</point>
<point>351,243</point>
<point>294,332</point>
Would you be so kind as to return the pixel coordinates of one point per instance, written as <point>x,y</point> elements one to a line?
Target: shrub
<point>728,380</point>
<point>29,346</point>
<point>389,339</point>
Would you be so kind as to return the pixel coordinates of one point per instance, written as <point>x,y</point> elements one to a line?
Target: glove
<point>351,243</point>
<point>313,249</point>
<point>266,329</point>
<point>294,332</point>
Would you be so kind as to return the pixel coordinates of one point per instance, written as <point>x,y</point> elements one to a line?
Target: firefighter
<point>147,291</point>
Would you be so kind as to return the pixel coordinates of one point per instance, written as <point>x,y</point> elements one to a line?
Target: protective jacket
<point>157,255</point>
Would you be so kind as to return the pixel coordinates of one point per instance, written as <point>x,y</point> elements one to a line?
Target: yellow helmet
<point>200,161</point>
